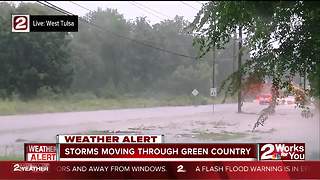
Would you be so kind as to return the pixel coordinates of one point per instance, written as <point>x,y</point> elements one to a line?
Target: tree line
<point>100,63</point>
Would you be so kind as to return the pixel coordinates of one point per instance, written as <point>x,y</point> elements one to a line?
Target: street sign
<point>195,92</point>
<point>213,92</point>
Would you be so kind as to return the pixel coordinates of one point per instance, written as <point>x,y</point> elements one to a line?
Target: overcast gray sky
<point>162,9</point>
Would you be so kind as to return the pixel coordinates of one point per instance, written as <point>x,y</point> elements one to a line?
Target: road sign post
<point>213,73</point>
<point>239,69</point>
<point>213,92</point>
<point>195,93</point>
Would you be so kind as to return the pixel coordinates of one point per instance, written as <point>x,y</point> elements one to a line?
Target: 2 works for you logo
<point>282,151</point>
<point>20,23</point>
<point>30,167</point>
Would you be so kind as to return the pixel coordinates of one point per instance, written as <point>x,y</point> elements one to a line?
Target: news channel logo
<point>20,23</point>
<point>282,151</point>
<point>30,167</point>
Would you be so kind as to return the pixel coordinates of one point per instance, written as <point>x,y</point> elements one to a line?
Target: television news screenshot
<point>159,90</point>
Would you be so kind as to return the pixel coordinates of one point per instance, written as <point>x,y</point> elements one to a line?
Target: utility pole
<point>213,71</point>
<point>234,56</point>
<point>304,81</point>
<point>239,68</point>
<point>213,68</point>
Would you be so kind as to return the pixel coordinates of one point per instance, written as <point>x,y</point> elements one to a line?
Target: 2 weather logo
<point>282,151</point>
<point>30,167</point>
<point>20,23</point>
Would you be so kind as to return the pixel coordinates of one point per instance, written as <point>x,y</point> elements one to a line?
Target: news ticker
<point>161,170</point>
<point>44,23</point>
<point>152,148</point>
<point>132,156</point>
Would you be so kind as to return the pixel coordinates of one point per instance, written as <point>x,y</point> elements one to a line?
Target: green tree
<point>99,56</point>
<point>290,25</point>
<point>30,61</point>
<point>280,35</point>
<point>186,78</point>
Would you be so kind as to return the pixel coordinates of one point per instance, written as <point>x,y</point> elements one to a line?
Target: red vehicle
<point>264,98</point>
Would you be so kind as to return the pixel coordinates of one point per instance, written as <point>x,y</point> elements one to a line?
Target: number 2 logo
<point>268,149</point>
<point>16,167</point>
<point>20,23</point>
<point>180,168</point>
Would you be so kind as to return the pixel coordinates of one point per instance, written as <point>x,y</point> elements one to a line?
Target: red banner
<point>161,170</point>
<point>93,152</point>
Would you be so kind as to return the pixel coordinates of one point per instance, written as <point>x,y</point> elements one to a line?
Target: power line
<point>80,6</point>
<point>152,9</point>
<point>110,32</point>
<point>137,41</point>
<point>133,3</point>
<point>56,8</point>
<point>146,7</point>
<point>189,5</point>
<point>95,25</point>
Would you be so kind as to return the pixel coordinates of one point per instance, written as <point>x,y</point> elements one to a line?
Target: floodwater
<point>181,124</point>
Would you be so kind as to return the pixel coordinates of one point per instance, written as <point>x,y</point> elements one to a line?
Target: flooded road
<point>182,124</point>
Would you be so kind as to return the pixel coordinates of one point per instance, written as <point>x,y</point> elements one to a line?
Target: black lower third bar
<point>53,23</point>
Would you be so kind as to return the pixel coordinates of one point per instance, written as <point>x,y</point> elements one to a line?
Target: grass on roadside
<point>224,135</point>
<point>11,158</point>
<point>69,104</point>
